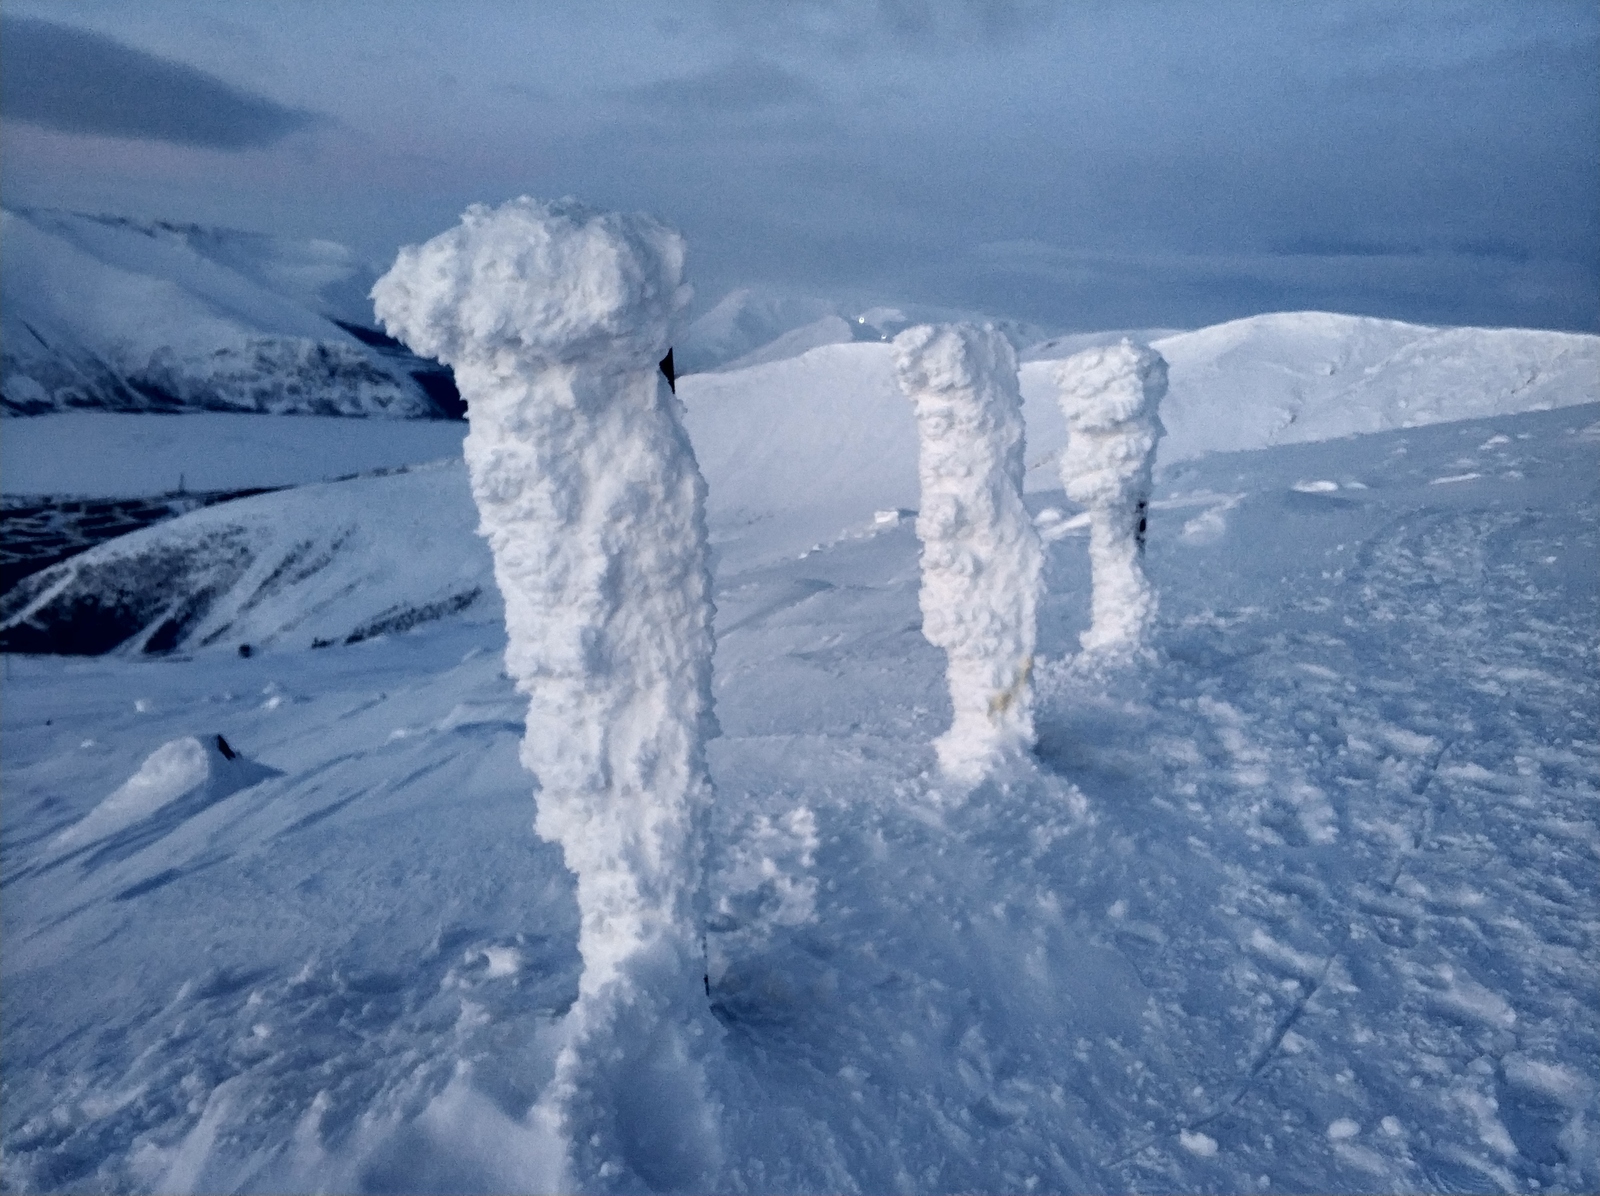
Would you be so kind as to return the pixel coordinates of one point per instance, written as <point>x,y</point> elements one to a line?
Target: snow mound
<point>330,563</point>
<point>112,314</point>
<point>190,773</point>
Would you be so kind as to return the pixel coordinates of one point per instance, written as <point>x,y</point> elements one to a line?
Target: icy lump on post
<point>1109,397</point>
<point>981,558</point>
<point>554,317</point>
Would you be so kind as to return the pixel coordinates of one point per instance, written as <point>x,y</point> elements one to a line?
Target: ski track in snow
<point>1307,903</point>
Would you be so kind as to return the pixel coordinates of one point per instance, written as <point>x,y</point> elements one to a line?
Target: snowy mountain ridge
<point>108,313</point>
<point>800,450</point>
<point>752,326</point>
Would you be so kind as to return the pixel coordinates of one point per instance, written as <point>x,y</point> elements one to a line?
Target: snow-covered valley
<point>1307,902</point>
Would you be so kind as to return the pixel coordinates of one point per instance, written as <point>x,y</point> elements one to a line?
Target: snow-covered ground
<point>1310,901</point>
<point>106,313</point>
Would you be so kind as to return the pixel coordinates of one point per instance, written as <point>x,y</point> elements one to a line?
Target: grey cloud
<point>81,82</point>
<point>853,26</point>
<point>738,87</point>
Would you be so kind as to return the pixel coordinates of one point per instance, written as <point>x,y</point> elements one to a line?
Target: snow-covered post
<point>1109,396</point>
<point>554,317</point>
<point>981,557</point>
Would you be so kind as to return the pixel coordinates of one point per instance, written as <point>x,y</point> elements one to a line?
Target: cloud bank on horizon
<point>1104,165</point>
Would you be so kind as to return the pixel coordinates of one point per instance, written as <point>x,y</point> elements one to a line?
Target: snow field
<point>1329,860</point>
<point>1110,397</point>
<point>554,318</point>
<point>981,557</point>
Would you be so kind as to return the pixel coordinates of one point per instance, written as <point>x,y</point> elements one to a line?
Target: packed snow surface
<point>554,318</point>
<point>111,314</point>
<point>981,556</point>
<point>1305,902</point>
<point>1110,397</point>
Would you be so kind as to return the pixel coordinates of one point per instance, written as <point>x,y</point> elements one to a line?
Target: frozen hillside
<point>1306,902</point>
<point>301,568</point>
<point>803,450</point>
<point>111,314</point>
<point>1292,377</point>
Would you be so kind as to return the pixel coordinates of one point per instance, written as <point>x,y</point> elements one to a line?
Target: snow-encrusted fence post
<point>1109,396</point>
<point>981,557</point>
<point>554,317</point>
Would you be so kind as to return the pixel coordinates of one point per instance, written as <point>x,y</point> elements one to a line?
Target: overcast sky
<point>1105,163</point>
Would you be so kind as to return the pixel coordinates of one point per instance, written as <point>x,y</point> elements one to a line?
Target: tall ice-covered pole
<point>1109,396</point>
<point>554,317</point>
<point>981,557</point>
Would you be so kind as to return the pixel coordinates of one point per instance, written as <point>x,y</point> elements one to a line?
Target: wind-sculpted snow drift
<point>176,780</point>
<point>1109,397</point>
<point>981,557</point>
<point>554,317</point>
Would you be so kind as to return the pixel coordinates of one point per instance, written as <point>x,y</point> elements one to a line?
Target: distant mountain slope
<point>751,326</point>
<point>105,454</point>
<point>1294,377</point>
<point>315,565</point>
<point>110,314</point>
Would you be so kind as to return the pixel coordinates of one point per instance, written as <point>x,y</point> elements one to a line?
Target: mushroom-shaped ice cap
<point>946,357</point>
<point>542,282</point>
<point>1104,387</point>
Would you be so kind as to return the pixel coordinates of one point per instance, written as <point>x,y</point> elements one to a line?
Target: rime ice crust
<point>1109,396</point>
<point>553,317</point>
<point>546,282</point>
<point>981,557</point>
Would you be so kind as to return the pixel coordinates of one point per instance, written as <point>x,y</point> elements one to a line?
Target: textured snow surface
<point>1306,902</point>
<point>106,313</point>
<point>554,317</point>
<point>1109,397</point>
<point>981,558</point>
